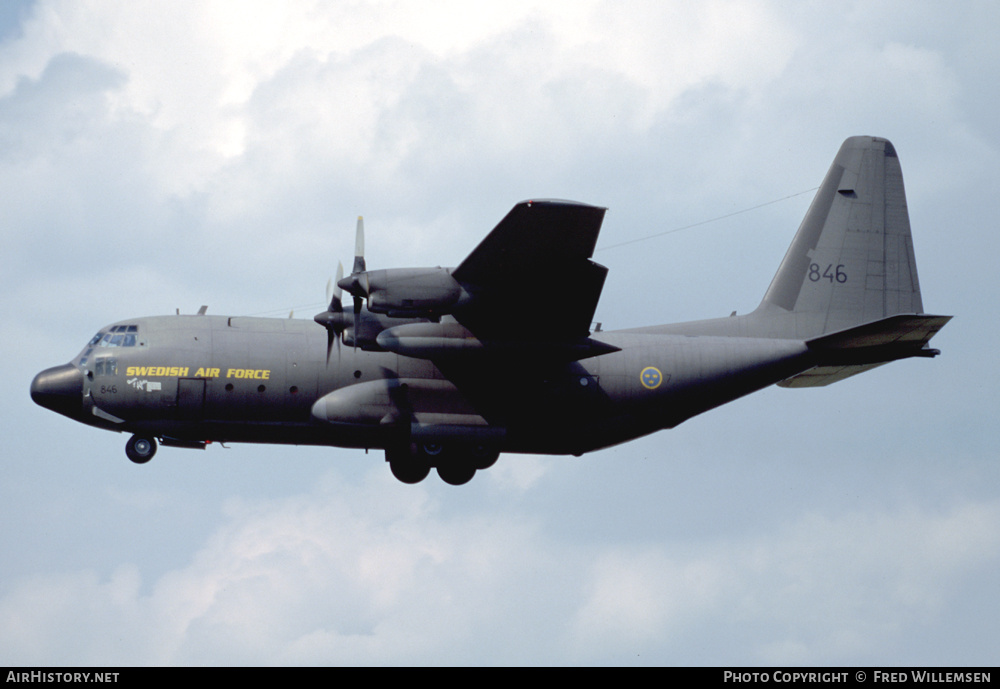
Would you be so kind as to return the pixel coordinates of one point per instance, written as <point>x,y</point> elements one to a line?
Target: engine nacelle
<point>433,404</point>
<point>405,292</point>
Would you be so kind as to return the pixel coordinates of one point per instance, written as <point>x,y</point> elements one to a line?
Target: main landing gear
<point>455,465</point>
<point>140,448</point>
<point>410,463</point>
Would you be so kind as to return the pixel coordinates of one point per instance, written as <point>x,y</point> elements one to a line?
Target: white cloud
<point>354,84</point>
<point>322,578</point>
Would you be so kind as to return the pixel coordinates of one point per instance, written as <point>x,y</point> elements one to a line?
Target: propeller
<point>333,318</point>
<point>356,284</point>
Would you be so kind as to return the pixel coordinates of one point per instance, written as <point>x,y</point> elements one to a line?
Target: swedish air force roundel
<point>650,377</point>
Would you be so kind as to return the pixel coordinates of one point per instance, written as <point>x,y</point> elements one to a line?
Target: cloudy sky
<point>156,156</point>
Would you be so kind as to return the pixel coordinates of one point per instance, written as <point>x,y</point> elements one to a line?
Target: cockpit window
<point>116,336</point>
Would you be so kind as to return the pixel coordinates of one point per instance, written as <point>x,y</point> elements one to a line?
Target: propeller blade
<point>334,326</point>
<point>359,247</point>
<point>357,312</point>
<point>334,291</point>
<point>337,304</point>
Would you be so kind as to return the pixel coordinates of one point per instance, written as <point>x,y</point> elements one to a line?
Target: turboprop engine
<point>407,292</point>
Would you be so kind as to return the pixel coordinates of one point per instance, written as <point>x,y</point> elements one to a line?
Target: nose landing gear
<point>140,449</point>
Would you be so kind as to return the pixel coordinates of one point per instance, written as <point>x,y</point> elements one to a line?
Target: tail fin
<point>852,260</point>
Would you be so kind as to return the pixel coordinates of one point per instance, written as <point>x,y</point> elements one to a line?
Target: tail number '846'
<point>830,273</point>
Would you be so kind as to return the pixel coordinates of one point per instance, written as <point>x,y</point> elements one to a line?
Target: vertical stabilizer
<point>852,260</point>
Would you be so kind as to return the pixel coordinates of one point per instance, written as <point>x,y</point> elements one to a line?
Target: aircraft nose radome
<point>60,389</point>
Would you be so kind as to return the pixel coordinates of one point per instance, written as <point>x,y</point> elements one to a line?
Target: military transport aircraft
<point>447,368</point>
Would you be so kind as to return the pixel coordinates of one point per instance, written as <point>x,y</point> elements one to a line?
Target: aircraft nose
<point>60,389</point>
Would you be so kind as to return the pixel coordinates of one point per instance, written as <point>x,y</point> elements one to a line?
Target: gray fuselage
<point>239,379</point>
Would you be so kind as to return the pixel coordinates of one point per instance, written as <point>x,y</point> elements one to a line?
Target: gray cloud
<point>850,525</point>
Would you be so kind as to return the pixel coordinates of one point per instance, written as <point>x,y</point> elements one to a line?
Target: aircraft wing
<point>531,278</point>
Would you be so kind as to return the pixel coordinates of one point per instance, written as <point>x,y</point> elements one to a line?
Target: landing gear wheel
<point>457,472</point>
<point>140,449</point>
<point>484,457</point>
<point>407,467</point>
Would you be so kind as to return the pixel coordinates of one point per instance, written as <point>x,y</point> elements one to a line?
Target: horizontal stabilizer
<point>825,375</point>
<point>848,352</point>
<point>906,330</point>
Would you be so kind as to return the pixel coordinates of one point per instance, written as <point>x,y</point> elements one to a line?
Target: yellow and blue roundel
<point>650,377</point>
